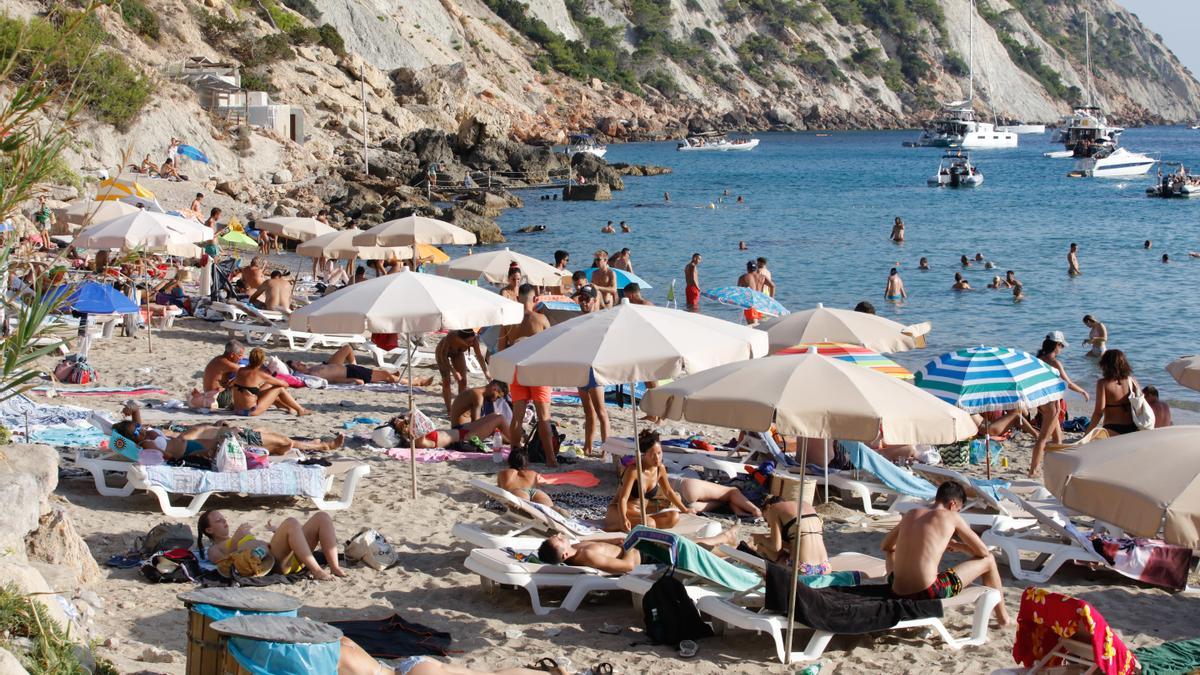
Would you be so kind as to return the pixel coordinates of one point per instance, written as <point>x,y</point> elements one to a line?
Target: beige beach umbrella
<point>339,245</point>
<point>414,230</point>
<point>1146,482</point>
<point>828,324</point>
<point>89,212</point>
<point>144,230</point>
<point>1186,371</point>
<point>407,302</point>
<point>814,396</point>
<point>494,266</point>
<point>292,227</point>
<point>626,344</point>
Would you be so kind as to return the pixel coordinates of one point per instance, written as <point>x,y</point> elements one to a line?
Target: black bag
<point>165,537</point>
<point>175,566</point>
<point>670,615</point>
<point>533,447</point>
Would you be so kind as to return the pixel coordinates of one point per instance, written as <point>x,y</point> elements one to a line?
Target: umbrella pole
<point>987,450</point>
<point>412,455</point>
<point>796,559</point>
<point>149,324</point>
<point>637,452</point>
<point>826,472</point>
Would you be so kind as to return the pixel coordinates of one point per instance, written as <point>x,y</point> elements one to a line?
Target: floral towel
<point>1046,617</point>
<point>283,479</point>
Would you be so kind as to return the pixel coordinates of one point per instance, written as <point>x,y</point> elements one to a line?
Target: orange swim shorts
<point>520,392</point>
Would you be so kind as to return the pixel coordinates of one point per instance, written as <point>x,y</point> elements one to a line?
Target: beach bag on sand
<point>370,548</point>
<point>75,369</point>
<point>957,454</point>
<point>164,537</point>
<point>533,446</point>
<point>175,566</point>
<point>230,456</point>
<point>1143,413</point>
<point>670,615</point>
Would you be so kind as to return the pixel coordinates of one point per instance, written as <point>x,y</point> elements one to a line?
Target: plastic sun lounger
<point>300,341</point>
<point>677,460</point>
<point>397,358</point>
<point>726,611</point>
<point>982,508</point>
<point>524,525</point>
<point>1050,537</point>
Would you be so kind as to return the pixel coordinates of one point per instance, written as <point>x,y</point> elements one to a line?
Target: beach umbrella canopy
<point>746,298</point>
<point>813,396</point>
<point>1146,482</point>
<point>430,253</point>
<point>624,344</point>
<point>113,189</point>
<point>827,324</point>
<point>623,278</point>
<point>854,354</point>
<point>95,212</point>
<point>494,265</point>
<point>144,229</point>
<point>339,245</point>
<point>192,152</point>
<point>1186,371</point>
<point>238,239</point>
<point>92,297</point>
<point>983,379</point>
<point>291,227</point>
<point>414,230</point>
<point>406,302</point>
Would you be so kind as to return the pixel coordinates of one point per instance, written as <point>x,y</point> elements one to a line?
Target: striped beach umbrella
<point>856,354</point>
<point>983,379</point>
<point>746,298</point>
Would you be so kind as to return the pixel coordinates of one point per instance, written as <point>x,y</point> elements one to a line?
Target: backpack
<point>534,445</point>
<point>174,566</point>
<point>670,615</point>
<point>75,369</point>
<point>164,537</point>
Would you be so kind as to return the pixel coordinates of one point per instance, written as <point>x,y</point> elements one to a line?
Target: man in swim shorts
<point>531,324</point>
<point>217,376</point>
<point>341,368</point>
<point>754,279</point>
<point>691,276</point>
<point>451,356</point>
<point>915,547</point>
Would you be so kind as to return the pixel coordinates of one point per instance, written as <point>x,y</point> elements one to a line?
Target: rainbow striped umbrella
<point>983,379</point>
<point>746,298</point>
<point>854,354</point>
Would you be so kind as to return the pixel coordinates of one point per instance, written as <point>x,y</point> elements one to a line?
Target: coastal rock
<point>31,582</point>
<point>395,166</point>
<point>485,229</point>
<point>9,665</point>
<point>590,192</point>
<point>640,169</point>
<point>782,116</point>
<point>535,163</point>
<point>57,542</point>
<point>431,146</point>
<point>28,474</point>
<point>596,170</point>
<point>282,176</point>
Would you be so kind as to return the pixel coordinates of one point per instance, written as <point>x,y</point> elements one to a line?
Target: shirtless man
<point>762,269</point>
<point>1097,338</point>
<point>894,290</point>
<point>608,229</point>
<point>468,406</point>
<point>691,277</point>
<point>754,279</point>
<point>605,280</point>
<point>1073,261</point>
<point>960,284</point>
<point>342,368</point>
<point>253,275</point>
<point>509,290</point>
<point>217,376</point>
<point>532,324</point>
<point>1010,279</point>
<point>197,204</point>
<point>605,556</point>
<point>451,355</point>
<point>1162,411</point>
<point>561,260</point>
<point>633,293</point>
<point>898,231</point>
<point>213,216</point>
<point>915,547</point>
<point>276,294</point>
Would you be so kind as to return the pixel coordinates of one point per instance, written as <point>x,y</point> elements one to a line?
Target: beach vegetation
<point>254,79</point>
<point>1028,57</point>
<point>304,8</point>
<point>140,19</point>
<point>955,64</point>
<point>331,39</point>
<point>662,81</point>
<point>50,650</point>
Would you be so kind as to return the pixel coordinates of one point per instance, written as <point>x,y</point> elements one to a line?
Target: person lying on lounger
<point>701,495</point>
<point>255,390</point>
<point>467,438</point>
<point>203,439</point>
<point>342,368</point>
<point>291,543</point>
<point>625,511</point>
<point>608,554</point>
<point>915,547</point>
<point>521,480</point>
<point>786,524</point>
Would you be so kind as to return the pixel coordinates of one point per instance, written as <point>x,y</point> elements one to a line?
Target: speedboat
<point>585,143</point>
<point>956,170</point>
<point>1195,126</point>
<point>1089,133</point>
<point>1178,183</point>
<point>1116,163</point>
<point>715,142</point>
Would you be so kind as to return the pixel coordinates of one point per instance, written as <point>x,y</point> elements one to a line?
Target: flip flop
<point>546,664</point>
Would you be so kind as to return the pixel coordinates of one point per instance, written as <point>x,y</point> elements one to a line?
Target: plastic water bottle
<point>497,443</point>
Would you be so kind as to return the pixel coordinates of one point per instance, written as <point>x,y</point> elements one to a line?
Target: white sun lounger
<point>298,341</point>
<point>982,508</point>
<point>725,612</point>
<point>677,460</point>
<point>1051,536</point>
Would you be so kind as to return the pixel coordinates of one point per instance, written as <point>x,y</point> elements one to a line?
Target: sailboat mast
<point>1087,41</point>
<point>971,62</point>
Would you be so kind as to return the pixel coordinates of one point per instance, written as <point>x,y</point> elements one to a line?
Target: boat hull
<point>719,147</point>
<point>598,152</point>
<point>947,181</point>
<point>1120,164</point>
<point>985,140</point>
<point>1023,128</point>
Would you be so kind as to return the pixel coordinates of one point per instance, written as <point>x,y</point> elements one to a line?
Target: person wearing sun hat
<point>1051,430</point>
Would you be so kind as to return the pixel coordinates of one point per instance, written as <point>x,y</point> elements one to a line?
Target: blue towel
<point>889,474</point>
<point>991,487</point>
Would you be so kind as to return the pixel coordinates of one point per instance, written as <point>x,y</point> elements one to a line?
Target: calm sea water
<point>820,209</point>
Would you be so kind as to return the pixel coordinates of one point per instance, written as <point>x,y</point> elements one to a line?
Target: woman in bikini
<point>1051,415</point>
<point>787,521</point>
<point>625,511</point>
<point>701,495</point>
<point>202,439</point>
<point>291,543</point>
<point>255,390</point>
<point>521,480</point>
<point>1112,395</point>
<point>467,437</point>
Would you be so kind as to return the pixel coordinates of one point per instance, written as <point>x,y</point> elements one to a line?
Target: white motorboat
<point>956,170</point>
<point>715,142</point>
<point>1059,154</point>
<point>1195,126</point>
<point>1178,183</point>
<point>1087,132</point>
<point>1022,128</point>
<point>585,143</point>
<point>1118,163</point>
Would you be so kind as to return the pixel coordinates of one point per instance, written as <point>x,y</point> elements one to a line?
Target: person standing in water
<point>894,290</point>
<point>691,276</point>
<point>898,231</point>
<point>1073,261</point>
<point>1097,338</point>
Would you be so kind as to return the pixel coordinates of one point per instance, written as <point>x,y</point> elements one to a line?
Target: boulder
<point>9,665</point>
<point>431,146</point>
<point>400,167</point>
<point>590,192</point>
<point>535,163</point>
<point>484,228</point>
<point>31,582</point>
<point>282,176</point>
<point>596,170</point>
<point>640,169</point>
<point>28,474</point>
<point>487,124</point>
<point>57,542</point>
<point>783,116</point>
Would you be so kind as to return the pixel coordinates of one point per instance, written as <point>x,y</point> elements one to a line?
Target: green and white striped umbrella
<point>983,379</point>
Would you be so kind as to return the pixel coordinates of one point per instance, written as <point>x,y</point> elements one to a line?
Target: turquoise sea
<point>820,209</point>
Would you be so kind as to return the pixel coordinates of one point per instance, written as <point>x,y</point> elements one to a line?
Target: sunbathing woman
<point>468,437</point>
<point>255,390</point>
<point>291,544</point>
<point>786,524</point>
<point>625,511</point>
<point>171,291</point>
<point>521,480</point>
<point>342,368</point>
<point>701,495</point>
<point>203,439</point>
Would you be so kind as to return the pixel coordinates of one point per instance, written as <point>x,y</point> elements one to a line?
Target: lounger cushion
<point>282,479</point>
<point>843,610</point>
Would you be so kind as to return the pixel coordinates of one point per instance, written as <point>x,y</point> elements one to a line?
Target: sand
<point>430,585</point>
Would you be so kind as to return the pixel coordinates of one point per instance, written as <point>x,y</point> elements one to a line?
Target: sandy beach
<point>429,585</point>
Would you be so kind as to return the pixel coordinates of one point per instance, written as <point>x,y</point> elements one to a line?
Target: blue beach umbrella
<point>746,298</point>
<point>623,278</point>
<point>192,152</point>
<point>92,297</point>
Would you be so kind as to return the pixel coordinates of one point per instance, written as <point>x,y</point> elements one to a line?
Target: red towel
<point>577,478</point>
<point>1046,617</point>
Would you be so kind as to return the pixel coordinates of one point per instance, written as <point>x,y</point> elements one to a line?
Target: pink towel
<point>292,381</point>
<point>577,478</point>
<point>435,456</point>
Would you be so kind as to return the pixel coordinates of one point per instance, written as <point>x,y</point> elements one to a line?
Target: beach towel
<point>437,455</point>
<point>380,387</point>
<point>285,478</point>
<point>577,478</point>
<point>853,610</point>
<point>564,523</point>
<point>394,637</point>
<point>1046,617</point>
<point>1170,658</point>
<point>68,436</point>
<point>891,475</point>
<point>101,391</point>
<point>991,487</point>
<point>19,410</point>
<point>685,554</point>
<point>1152,561</point>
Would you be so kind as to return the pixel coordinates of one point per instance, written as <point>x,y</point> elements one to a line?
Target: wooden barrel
<point>203,644</point>
<point>275,629</point>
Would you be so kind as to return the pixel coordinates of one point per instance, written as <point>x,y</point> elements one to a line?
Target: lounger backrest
<point>548,520</point>
<point>253,312</point>
<point>938,475</point>
<point>1052,519</point>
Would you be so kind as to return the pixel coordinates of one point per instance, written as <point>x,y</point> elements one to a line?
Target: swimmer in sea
<point>960,284</point>
<point>608,229</point>
<point>741,199</point>
<point>997,282</point>
<point>1166,258</point>
<point>667,197</point>
<point>894,290</point>
<point>1018,296</point>
<point>742,246</point>
<point>898,231</point>
<point>923,264</point>
<point>1147,245</point>
<point>965,261</point>
<point>1073,261</point>
<point>625,228</point>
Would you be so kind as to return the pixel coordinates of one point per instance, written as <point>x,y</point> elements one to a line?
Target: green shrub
<point>256,80</point>
<point>140,18</point>
<point>955,65</point>
<point>218,30</point>
<point>266,50</point>
<point>332,39</point>
<point>305,8</point>
<point>663,82</point>
<point>284,20</point>
<point>703,37</point>
<point>304,35</point>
